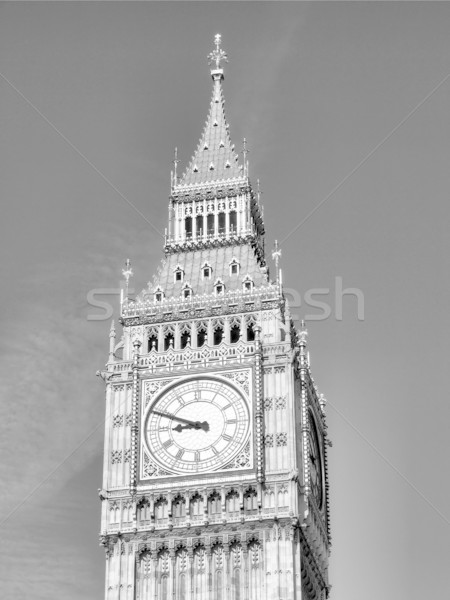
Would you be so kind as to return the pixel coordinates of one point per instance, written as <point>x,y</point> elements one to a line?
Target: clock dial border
<point>313,436</point>
<point>165,386</point>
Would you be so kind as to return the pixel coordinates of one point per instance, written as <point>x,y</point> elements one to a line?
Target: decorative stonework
<point>117,420</point>
<point>242,461</point>
<point>240,378</point>
<point>280,403</point>
<point>268,404</point>
<point>281,439</point>
<point>268,440</point>
<point>151,388</point>
<point>116,457</point>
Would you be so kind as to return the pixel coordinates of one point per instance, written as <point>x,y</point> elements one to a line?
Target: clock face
<point>197,426</point>
<point>315,463</point>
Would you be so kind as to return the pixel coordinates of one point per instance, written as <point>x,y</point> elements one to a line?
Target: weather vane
<point>218,54</point>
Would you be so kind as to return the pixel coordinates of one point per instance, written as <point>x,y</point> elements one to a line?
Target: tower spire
<point>215,158</point>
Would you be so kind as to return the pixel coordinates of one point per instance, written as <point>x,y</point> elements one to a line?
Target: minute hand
<point>175,418</point>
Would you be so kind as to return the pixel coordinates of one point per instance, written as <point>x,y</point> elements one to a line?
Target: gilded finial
<point>175,163</point>
<point>276,255</point>
<point>127,273</point>
<point>217,55</point>
<point>245,151</point>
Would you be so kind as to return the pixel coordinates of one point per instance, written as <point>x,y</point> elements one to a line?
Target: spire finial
<point>276,255</point>
<point>175,162</point>
<point>218,54</point>
<point>127,273</point>
<point>245,151</point>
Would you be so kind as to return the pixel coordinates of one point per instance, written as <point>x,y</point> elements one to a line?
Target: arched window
<point>185,339</point>
<point>232,502</point>
<point>179,508</point>
<point>168,340</point>
<point>188,226</point>
<point>196,507</point>
<point>233,221</point>
<point>235,333</point>
<point>153,342</point>
<point>218,335</point>
<point>214,505</point>
<point>250,332</point>
<point>202,335</point>
<point>210,224</point>
<point>250,500</point>
<point>143,510</point>
<point>161,510</point>
<point>199,225</point>
<point>221,223</point>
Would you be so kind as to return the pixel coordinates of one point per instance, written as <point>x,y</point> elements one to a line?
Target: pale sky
<point>99,94</point>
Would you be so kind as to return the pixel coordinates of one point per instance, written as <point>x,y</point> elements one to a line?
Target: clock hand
<point>195,424</point>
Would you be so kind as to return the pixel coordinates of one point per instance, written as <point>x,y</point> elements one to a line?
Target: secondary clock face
<point>197,426</point>
<point>315,463</point>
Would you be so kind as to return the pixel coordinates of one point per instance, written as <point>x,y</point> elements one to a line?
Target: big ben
<point>215,459</point>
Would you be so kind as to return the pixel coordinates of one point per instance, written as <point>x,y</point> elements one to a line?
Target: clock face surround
<point>197,425</point>
<point>315,463</point>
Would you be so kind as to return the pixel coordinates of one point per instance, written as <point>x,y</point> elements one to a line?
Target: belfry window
<point>168,341</point>
<point>221,222</point>
<point>188,226</point>
<point>202,336</point>
<point>250,332</point>
<point>235,332</point>
<point>185,339</point>
<point>153,343</point>
<point>187,293</point>
<point>210,224</point>
<point>199,225</point>
<point>218,335</point>
<point>233,221</point>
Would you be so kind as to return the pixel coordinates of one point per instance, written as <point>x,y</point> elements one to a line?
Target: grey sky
<point>313,87</point>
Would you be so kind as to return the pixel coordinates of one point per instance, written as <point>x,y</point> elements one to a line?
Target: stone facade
<point>209,352</point>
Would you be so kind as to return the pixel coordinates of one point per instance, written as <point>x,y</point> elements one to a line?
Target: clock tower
<point>215,464</point>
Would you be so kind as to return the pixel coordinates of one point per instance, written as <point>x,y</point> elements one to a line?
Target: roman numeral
<point>180,453</point>
<point>167,443</point>
<point>227,438</point>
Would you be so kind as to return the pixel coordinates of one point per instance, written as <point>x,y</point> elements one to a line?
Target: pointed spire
<point>214,159</point>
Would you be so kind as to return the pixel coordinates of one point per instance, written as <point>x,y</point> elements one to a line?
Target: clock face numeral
<point>206,423</point>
